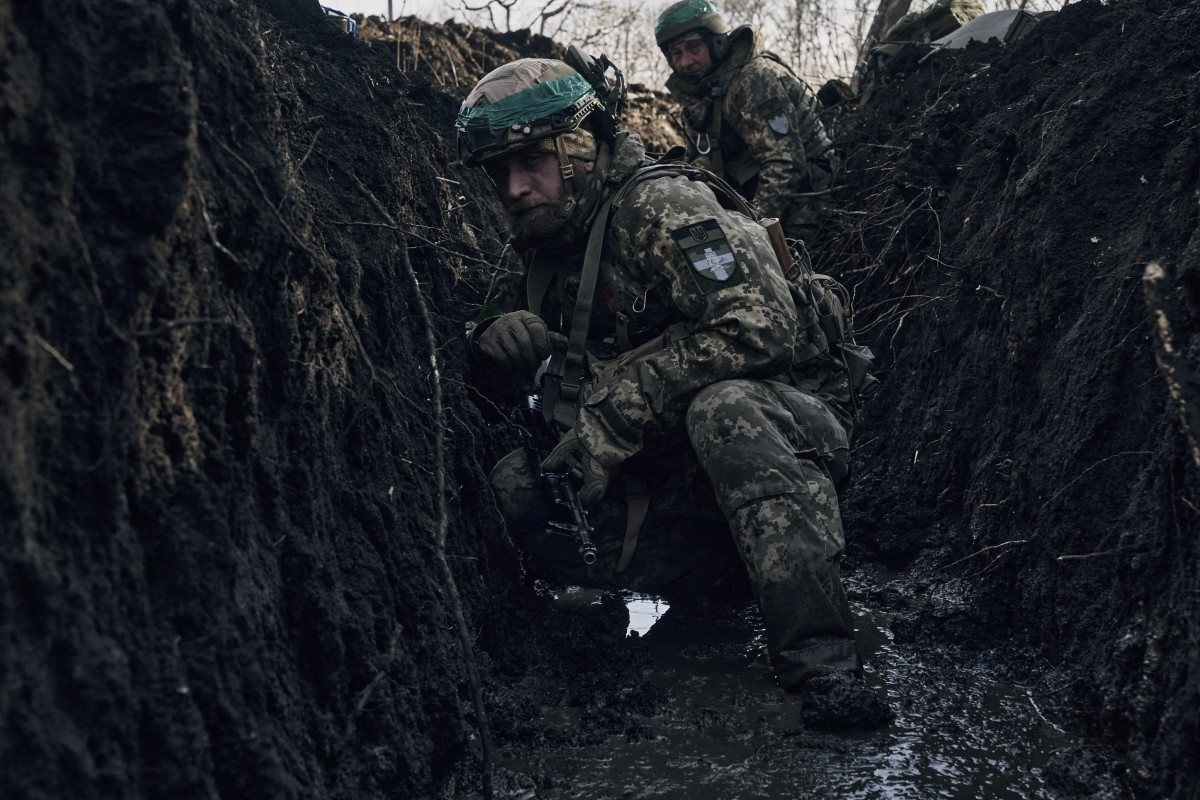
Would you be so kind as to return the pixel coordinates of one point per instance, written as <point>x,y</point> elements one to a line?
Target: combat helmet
<point>687,15</point>
<point>570,108</point>
<point>530,100</point>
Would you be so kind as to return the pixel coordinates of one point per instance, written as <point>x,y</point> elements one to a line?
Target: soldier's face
<point>690,56</point>
<point>530,187</point>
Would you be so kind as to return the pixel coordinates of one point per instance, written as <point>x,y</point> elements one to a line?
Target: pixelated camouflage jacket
<point>773,143</point>
<point>672,254</point>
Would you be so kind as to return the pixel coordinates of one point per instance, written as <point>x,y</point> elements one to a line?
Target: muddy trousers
<point>754,491</point>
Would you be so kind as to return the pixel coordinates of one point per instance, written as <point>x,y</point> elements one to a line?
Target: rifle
<point>540,439</point>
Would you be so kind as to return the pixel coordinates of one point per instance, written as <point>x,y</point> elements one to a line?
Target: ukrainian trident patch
<point>705,247</point>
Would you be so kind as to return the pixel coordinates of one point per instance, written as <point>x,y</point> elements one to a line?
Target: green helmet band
<point>543,110</point>
<point>537,102</point>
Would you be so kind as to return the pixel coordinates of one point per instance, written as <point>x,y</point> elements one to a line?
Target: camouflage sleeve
<point>722,276</point>
<point>505,293</point>
<point>775,131</point>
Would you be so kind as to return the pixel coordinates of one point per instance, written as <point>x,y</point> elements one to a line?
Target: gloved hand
<point>571,457</point>
<point>517,342</point>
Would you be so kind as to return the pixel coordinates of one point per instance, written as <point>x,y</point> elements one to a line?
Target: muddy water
<point>727,732</point>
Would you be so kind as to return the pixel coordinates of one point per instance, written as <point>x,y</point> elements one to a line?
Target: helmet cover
<point>686,15</point>
<point>520,104</point>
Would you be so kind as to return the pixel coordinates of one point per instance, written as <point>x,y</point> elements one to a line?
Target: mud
<point>710,723</point>
<point>240,512</point>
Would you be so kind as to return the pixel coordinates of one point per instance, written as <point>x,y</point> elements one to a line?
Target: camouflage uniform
<point>740,426</point>
<point>772,144</point>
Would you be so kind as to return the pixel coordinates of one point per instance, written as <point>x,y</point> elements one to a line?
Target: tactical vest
<point>725,149</point>
<point>822,305</point>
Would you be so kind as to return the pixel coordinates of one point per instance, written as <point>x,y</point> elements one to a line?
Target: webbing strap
<point>566,404</point>
<point>718,160</point>
<point>537,283</point>
<point>637,504</point>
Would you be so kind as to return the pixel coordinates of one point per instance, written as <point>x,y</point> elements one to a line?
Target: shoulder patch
<point>706,249</point>
<point>773,111</point>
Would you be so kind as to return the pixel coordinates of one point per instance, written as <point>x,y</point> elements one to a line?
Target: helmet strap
<point>588,187</point>
<point>565,167</point>
<point>583,194</point>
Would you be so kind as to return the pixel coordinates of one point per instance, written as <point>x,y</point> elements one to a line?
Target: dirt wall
<point>1001,206</point>
<point>223,483</point>
<point>219,485</point>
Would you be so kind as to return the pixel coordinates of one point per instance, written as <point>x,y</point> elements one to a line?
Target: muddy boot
<point>842,701</point>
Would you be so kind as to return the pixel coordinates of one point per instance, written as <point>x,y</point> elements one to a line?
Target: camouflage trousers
<point>753,482</point>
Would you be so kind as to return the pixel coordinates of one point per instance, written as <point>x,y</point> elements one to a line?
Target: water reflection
<point>644,611</point>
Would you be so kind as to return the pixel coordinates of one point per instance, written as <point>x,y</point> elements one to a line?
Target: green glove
<point>571,457</point>
<point>516,342</point>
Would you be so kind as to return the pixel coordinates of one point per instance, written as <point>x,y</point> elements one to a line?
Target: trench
<point>964,726</point>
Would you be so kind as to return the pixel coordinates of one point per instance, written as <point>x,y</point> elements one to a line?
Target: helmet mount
<point>614,96</point>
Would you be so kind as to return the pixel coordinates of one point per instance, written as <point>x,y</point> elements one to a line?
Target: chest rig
<point>719,142</point>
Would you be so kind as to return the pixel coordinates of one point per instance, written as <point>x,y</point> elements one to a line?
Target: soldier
<point>703,418</point>
<point>749,118</point>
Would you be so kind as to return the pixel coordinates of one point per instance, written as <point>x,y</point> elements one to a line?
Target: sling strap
<point>566,370</point>
<point>537,282</point>
<point>637,504</point>
<point>717,158</point>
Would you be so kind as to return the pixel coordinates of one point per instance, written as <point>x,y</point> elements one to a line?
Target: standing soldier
<point>749,118</point>
<point>699,412</point>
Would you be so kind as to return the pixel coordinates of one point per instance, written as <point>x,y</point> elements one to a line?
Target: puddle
<point>644,611</point>
<point>959,732</point>
<point>727,732</point>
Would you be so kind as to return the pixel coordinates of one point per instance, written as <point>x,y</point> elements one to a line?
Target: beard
<point>538,225</point>
<point>558,219</point>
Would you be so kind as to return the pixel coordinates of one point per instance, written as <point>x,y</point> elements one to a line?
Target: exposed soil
<point>232,486</point>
